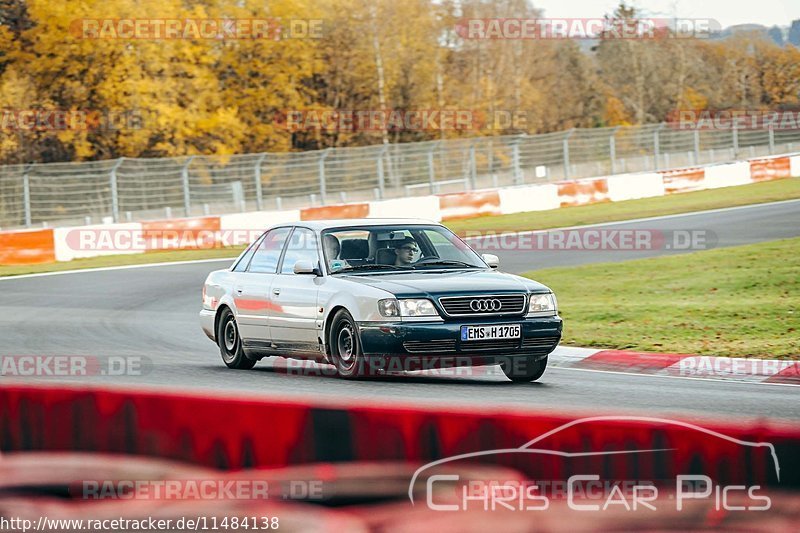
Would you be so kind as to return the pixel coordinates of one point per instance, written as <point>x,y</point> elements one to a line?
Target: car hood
<point>448,282</point>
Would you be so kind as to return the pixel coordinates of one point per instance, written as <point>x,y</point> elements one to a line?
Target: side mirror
<point>491,260</point>
<point>305,267</point>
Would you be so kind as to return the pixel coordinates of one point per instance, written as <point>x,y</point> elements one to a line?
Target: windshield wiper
<point>445,262</point>
<point>372,267</point>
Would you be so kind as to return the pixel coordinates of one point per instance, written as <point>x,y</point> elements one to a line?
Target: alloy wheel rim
<point>231,337</point>
<point>346,346</point>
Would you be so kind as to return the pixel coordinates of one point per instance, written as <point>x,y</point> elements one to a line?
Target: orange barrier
<point>335,211</point>
<point>167,425</point>
<point>469,204</point>
<point>770,168</point>
<point>27,247</point>
<point>181,233</point>
<point>683,180</point>
<point>583,192</point>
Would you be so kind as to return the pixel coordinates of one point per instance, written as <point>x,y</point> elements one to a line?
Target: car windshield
<point>396,248</point>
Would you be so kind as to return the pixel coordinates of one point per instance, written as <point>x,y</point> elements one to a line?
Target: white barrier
<point>634,186</point>
<point>426,207</point>
<point>728,175</point>
<point>795,165</point>
<point>529,198</point>
<point>74,242</point>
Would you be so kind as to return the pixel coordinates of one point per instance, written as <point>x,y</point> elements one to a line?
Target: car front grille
<point>484,305</point>
<point>498,344</point>
<point>435,346</point>
<point>540,344</point>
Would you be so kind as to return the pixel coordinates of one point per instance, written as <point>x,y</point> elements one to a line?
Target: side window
<point>302,246</point>
<point>241,265</point>
<point>265,260</point>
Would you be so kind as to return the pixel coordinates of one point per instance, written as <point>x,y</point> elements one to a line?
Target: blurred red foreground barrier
<point>232,433</point>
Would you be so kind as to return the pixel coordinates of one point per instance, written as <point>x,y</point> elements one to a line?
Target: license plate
<point>500,331</point>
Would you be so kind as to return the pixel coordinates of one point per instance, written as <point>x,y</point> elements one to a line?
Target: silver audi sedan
<point>374,296</point>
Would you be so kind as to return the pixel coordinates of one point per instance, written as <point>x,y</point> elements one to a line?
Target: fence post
<point>323,186</point>
<point>771,139</point>
<point>259,194</point>
<point>26,194</point>
<point>112,178</point>
<point>657,146</point>
<point>473,170</point>
<point>696,145</point>
<point>187,199</point>
<point>735,140</point>
<point>515,160</point>
<point>381,175</point>
<point>566,153</point>
<point>431,171</point>
<point>612,149</point>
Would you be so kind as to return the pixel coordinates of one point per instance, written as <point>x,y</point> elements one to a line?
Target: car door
<point>293,324</point>
<point>251,289</point>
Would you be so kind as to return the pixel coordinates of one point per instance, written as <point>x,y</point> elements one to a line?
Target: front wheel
<point>346,346</point>
<point>230,343</point>
<point>523,369</point>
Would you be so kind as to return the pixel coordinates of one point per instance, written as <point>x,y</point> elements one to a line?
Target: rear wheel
<point>346,346</point>
<point>523,369</point>
<point>230,343</point>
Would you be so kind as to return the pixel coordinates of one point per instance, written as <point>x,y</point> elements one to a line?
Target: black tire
<point>346,346</point>
<point>523,369</point>
<point>230,343</point>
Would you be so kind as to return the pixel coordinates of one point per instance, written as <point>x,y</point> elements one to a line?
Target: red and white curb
<point>678,365</point>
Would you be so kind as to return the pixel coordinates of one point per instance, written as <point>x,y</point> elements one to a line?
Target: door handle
<point>276,291</point>
<point>238,290</point>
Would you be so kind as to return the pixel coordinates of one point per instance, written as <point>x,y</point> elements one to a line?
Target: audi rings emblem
<point>486,305</point>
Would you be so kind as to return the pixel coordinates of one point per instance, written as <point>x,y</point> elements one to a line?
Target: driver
<point>406,251</point>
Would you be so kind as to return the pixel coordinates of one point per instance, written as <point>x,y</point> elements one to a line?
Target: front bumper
<point>435,344</point>
<point>207,318</point>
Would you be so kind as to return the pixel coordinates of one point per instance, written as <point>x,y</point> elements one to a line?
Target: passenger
<point>332,246</point>
<point>406,251</point>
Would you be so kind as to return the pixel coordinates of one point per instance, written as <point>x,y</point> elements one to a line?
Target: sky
<point>726,12</point>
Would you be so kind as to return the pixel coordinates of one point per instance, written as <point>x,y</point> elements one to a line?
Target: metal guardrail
<point>129,189</point>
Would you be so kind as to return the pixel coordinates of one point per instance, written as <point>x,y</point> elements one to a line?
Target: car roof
<point>319,225</point>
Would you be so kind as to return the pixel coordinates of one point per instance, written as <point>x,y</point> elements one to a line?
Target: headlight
<point>542,304</point>
<point>408,307</point>
<point>389,307</point>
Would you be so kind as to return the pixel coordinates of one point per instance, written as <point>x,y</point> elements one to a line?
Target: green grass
<point>741,301</point>
<point>570,216</point>
<point>755,193</point>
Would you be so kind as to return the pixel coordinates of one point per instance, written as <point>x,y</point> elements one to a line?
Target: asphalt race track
<point>152,313</point>
<point>718,228</point>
